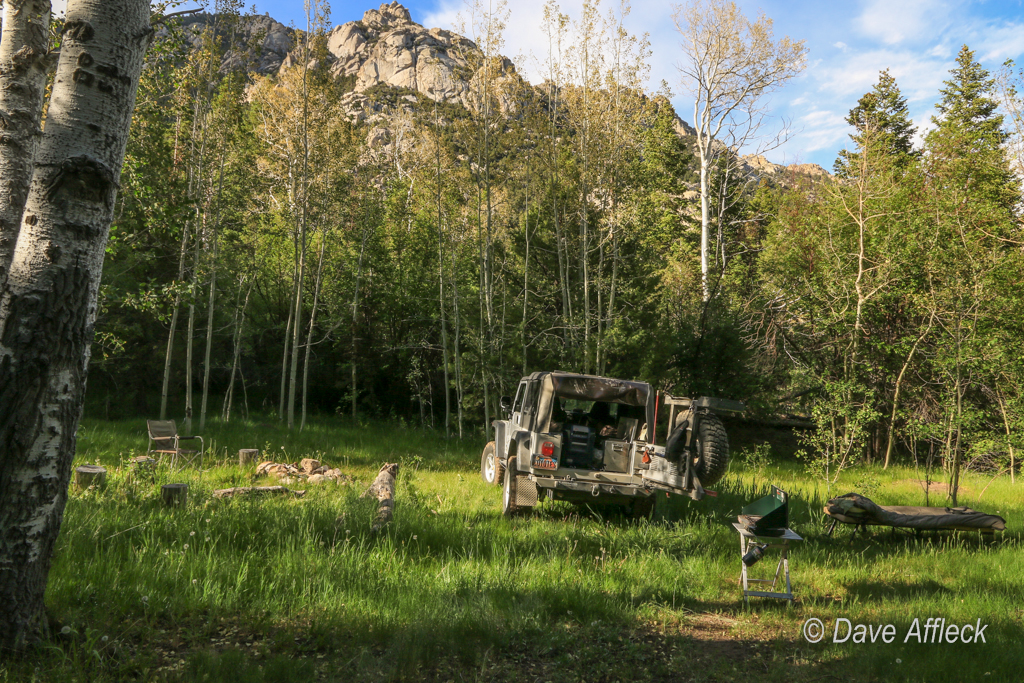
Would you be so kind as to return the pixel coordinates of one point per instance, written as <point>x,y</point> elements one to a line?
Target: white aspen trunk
<point>309,335</point>
<point>225,409</point>
<point>1006,424</point>
<point>211,307</point>
<point>210,310</point>
<point>165,387</point>
<point>296,330</point>
<point>458,352</point>
<point>284,358</point>
<point>355,321</point>
<point>190,333</point>
<point>23,67</point>
<point>526,271</point>
<point>704,225</point>
<point>237,350</point>
<point>49,301</point>
<point>440,286</point>
<point>297,334</point>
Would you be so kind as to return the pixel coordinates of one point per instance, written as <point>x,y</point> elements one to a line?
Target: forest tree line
<point>272,255</point>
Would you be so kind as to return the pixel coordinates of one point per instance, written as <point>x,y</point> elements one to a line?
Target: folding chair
<point>163,438</point>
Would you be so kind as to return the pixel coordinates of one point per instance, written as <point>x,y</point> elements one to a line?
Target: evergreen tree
<point>882,115</point>
<point>967,103</point>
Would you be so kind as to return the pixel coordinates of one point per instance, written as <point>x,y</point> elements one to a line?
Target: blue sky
<point>848,44</point>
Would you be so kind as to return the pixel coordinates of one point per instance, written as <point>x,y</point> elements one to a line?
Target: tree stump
<point>383,488</point>
<point>90,475</point>
<point>247,455</point>
<point>174,495</point>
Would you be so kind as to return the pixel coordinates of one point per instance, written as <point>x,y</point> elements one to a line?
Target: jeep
<point>588,439</point>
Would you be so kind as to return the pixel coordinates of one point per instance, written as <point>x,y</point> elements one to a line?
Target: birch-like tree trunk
<point>237,348</point>
<point>48,303</point>
<point>309,335</point>
<point>23,65</point>
<point>211,305</point>
<point>355,321</point>
<point>165,388</point>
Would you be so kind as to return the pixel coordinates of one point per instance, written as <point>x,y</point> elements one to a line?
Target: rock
<point>813,170</point>
<point>387,16</point>
<point>307,465</point>
<point>316,479</point>
<point>378,137</point>
<point>682,128</point>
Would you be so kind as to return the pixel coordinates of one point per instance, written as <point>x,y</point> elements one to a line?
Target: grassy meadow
<point>285,589</point>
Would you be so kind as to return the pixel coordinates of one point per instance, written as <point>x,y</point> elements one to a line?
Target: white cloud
<point>841,45</point>
<point>907,20</point>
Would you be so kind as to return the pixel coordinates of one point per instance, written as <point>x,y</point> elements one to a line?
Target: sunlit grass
<point>452,581</point>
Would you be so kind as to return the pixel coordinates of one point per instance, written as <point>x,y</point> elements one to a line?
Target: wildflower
<point>192,533</point>
<point>207,521</point>
<point>66,630</point>
<point>899,661</point>
<point>145,598</point>
<point>186,546</point>
<point>104,639</point>
<point>195,580</point>
<point>414,537</point>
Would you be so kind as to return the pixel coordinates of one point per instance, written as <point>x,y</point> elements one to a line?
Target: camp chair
<point>163,438</point>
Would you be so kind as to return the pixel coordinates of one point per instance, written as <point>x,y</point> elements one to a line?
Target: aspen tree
<point>48,303</point>
<point>730,66</point>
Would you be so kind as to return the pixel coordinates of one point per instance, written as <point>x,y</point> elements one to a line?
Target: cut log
<point>247,455</point>
<point>174,495</point>
<point>383,489</point>
<point>90,475</point>
<point>309,465</point>
<point>255,491</point>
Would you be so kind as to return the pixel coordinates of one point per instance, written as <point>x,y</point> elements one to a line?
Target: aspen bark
<point>165,388</point>
<point>355,320</point>
<point>237,350</point>
<point>211,306</point>
<point>309,335</point>
<point>23,65</point>
<point>440,285</point>
<point>48,303</point>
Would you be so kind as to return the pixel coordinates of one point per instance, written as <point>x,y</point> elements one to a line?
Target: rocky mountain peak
<point>387,17</point>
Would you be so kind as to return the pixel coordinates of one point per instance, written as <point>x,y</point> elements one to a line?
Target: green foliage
<point>883,117</point>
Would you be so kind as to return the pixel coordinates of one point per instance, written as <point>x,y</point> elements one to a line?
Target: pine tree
<point>882,115</point>
<point>969,138</point>
<point>967,101</point>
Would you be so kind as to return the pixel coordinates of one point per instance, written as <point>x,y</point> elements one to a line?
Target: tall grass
<point>273,588</point>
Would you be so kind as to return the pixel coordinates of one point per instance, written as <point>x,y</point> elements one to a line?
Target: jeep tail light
<point>547,449</point>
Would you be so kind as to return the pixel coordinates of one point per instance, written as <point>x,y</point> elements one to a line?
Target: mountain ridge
<point>387,48</point>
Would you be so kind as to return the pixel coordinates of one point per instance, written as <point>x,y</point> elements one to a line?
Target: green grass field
<point>284,589</point>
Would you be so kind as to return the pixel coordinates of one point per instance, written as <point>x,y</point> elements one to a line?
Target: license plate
<point>544,462</point>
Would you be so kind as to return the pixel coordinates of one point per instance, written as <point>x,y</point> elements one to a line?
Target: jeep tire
<point>711,450</point>
<point>491,470</point>
<point>508,493</point>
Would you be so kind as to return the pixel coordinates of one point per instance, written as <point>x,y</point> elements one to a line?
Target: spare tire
<point>711,450</point>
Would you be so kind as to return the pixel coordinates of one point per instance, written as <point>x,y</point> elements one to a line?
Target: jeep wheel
<point>712,450</point>
<point>508,493</point>
<point>490,469</point>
